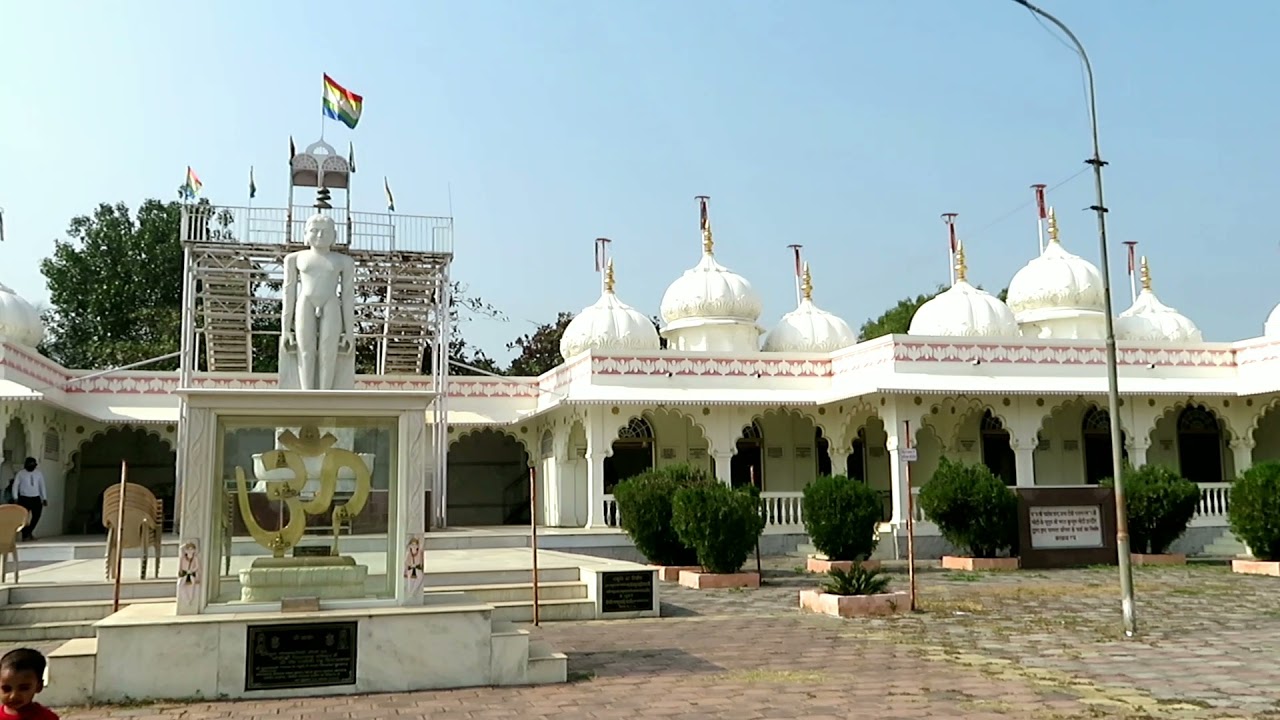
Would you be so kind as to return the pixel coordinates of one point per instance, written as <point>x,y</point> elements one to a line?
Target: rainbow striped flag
<point>192,186</point>
<point>341,104</point>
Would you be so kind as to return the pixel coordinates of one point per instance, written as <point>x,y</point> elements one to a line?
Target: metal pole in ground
<point>909,456</point>
<point>119,535</point>
<point>533,536</point>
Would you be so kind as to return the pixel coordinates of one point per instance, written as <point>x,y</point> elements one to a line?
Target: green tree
<point>114,287</point>
<point>539,351</point>
<point>897,319</point>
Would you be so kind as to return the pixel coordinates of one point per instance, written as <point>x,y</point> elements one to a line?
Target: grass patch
<point>962,577</point>
<point>580,676</point>
<point>774,676</point>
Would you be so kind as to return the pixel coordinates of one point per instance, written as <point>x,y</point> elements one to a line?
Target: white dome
<point>964,311</point>
<point>710,290</point>
<point>609,324</point>
<point>1150,319</point>
<point>1056,280</point>
<point>19,321</point>
<point>1272,328</point>
<point>809,328</point>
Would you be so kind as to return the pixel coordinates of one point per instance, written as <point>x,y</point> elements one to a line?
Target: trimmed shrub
<point>645,512</point>
<point>857,581</point>
<point>973,509</point>
<point>721,524</point>
<point>840,515</point>
<point>1255,510</point>
<point>1159,504</point>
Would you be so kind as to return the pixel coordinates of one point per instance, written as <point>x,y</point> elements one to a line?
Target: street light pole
<point>1113,392</point>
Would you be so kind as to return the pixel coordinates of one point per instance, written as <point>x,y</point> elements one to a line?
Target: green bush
<point>645,511</point>
<point>840,515</point>
<point>1255,510</point>
<point>973,509</point>
<point>1159,504</point>
<point>857,581</point>
<point>722,525</point>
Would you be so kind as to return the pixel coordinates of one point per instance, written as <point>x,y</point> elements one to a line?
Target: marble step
<point>521,611</point>
<point>64,611</point>
<point>70,673</point>
<point>546,666</point>
<point>507,592</point>
<point>99,591</point>
<point>499,577</point>
<point>39,631</point>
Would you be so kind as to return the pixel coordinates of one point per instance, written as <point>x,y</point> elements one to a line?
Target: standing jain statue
<point>317,324</point>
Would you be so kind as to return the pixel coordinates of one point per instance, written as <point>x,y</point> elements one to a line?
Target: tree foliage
<point>115,294</point>
<point>897,319</point>
<point>115,287</point>
<point>539,351</point>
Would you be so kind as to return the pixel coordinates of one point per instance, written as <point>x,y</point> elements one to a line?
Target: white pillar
<point>1137,447</point>
<point>1024,454</point>
<point>599,446</point>
<point>724,465</point>
<point>898,477</point>
<point>1242,453</point>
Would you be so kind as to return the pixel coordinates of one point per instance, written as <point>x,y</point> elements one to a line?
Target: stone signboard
<point>626,591</point>
<point>1066,526</point>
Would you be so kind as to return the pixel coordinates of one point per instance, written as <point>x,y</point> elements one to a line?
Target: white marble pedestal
<point>325,578</point>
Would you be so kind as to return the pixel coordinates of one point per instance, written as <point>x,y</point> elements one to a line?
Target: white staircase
<point>1227,545</point>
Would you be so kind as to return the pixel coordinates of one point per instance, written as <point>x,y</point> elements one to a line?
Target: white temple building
<point>1019,386</point>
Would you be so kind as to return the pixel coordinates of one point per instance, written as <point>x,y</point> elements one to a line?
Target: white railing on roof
<point>1215,501</point>
<point>379,232</point>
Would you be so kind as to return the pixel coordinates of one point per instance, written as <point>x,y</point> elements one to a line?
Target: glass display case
<point>306,508</point>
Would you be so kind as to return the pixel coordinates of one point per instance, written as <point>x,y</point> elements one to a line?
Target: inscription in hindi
<point>1066,527</point>
<point>282,657</point>
<point>626,591</point>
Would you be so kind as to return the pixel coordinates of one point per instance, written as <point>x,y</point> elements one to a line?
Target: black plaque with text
<point>626,591</point>
<point>285,657</point>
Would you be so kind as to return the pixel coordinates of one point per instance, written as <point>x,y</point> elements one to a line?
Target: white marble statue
<point>317,324</point>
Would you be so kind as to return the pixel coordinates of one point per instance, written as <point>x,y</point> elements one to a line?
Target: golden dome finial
<point>961,267</point>
<point>608,277</point>
<point>1146,274</point>
<point>1053,226</point>
<point>707,242</point>
<point>806,283</point>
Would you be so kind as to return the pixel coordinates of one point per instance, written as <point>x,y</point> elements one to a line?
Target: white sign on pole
<point>908,454</point>
<point>1064,527</point>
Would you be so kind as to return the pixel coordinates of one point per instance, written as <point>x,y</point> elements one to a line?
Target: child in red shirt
<point>21,679</point>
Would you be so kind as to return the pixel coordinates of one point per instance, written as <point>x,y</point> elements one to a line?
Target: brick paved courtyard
<point>1013,645</point>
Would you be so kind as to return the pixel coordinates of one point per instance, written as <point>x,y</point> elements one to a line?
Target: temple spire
<point>961,268</point>
<point>1053,227</point>
<point>1146,275</point>
<point>806,284</point>
<point>608,277</point>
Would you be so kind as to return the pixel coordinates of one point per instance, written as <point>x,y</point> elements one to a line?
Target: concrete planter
<point>820,564</point>
<point>718,581</point>
<point>847,606</point>
<point>972,564</point>
<point>1161,559</point>
<point>1256,567</point>
<point>671,573</point>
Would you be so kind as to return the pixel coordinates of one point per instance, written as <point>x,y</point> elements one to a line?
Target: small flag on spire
<point>1,224</point>
<point>253,188</point>
<point>602,253</point>
<point>351,156</point>
<point>192,186</point>
<point>293,151</point>
<point>341,104</point>
<point>391,201</point>
<point>795,250</point>
<point>1040,206</point>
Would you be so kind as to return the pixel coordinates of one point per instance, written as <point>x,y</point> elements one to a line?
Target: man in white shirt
<point>29,491</point>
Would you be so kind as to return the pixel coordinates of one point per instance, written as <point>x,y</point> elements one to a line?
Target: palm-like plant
<point>856,581</point>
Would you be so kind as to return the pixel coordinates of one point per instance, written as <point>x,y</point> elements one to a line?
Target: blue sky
<point>846,126</point>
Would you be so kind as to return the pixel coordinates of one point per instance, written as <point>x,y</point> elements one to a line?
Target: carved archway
<point>488,479</point>
<point>997,451</point>
<point>633,452</point>
<point>95,465</point>
<point>1095,441</point>
<point>1201,451</point>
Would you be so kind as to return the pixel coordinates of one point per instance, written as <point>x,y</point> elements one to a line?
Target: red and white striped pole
<point>950,220</point>
<point>1133,269</point>
<point>795,250</point>
<point>1042,212</point>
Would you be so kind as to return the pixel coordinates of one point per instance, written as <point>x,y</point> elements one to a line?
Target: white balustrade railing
<point>1215,500</point>
<point>783,511</point>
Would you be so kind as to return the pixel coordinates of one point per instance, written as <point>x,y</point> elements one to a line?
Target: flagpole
<point>1040,215</point>
<point>795,250</point>
<point>950,220</point>
<point>1133,286</point>
<point>323,90</point>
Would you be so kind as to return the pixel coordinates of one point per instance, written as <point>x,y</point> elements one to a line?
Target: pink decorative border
<point>1029,354</point>
<point>710,366</point>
